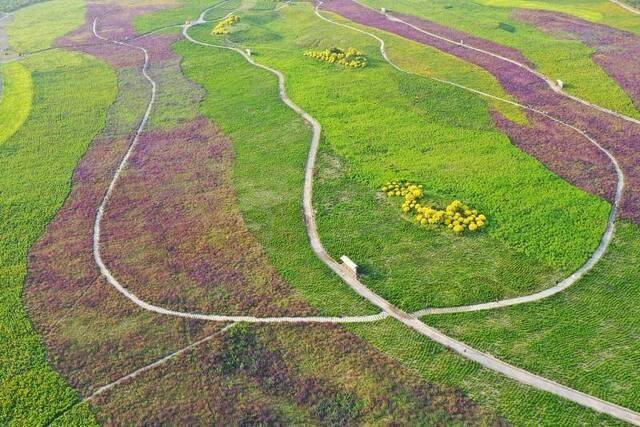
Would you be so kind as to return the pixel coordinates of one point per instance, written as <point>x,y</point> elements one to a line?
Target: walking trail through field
<point>388,309</point>
<point>623,5</point>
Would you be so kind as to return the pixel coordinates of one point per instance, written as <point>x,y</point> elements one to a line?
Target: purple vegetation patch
<point>617,51</point>
<point>114,23</point>
<point>621,137</point>
<point>174,235</point>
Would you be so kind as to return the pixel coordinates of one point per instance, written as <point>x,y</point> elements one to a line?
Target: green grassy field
<point>11,5</point>
<point>15,102</point>
<point>36,164</point>
<point>565,59</point>
<point>271,145</point>
<point>599,11</point>
<point>378,124</point>
<point>585,337</point>
<point>37,27</point>
<point>465,158</point>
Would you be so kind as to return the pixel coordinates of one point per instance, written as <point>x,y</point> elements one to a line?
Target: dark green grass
<point>586,337</point>
<point>36,166</point>
<point>565,59</point>
<point>271,145</point>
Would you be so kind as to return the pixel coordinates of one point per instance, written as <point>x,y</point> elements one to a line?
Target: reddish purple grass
<point>114,23</point>
<point>618,52</point>
<point>620,137</point>
<point>173,233</point>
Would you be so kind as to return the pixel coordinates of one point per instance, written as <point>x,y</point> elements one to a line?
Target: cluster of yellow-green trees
<point>457,216</point>
<point>350,57</point>
<point>223,26</point>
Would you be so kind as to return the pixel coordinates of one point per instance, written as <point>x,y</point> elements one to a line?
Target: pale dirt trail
<point>626,6</point>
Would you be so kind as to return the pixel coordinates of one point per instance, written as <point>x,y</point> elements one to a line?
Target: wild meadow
<point>16,98</point>
<point>561,58</point>
<point>271,143</point>
<point>207,216</point>
<point>37,162</point>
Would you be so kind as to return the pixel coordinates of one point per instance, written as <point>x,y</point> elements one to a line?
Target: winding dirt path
<point>552,85</point>
<point>626,6</point>
<point>97,230</point>
<point>604,241</point>
<point>483,359</point>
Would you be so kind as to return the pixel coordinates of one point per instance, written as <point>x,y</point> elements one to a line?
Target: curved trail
<point>525,67</point>
<point>613,213</point>
<point>466,351</point>
<point>104,270</point>
<point>483,359</point>
<point>626,6</point>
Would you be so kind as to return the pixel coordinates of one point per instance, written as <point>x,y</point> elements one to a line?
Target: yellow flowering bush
<point>223,26</point>
<point>456,216</point>
<point>350,57</point>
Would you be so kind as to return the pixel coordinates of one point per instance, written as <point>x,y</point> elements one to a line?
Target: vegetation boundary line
<point>623,5</point>
<point>483,359</point>
<point>552,85</point>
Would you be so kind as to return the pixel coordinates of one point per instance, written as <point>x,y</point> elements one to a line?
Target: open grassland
<point>37,27</point>
<point>271,145</point>
<point>566,59</point>
<point>185,10</point>
<point>617,52</point>
<point>36,164</point>
<point>251,375</point>
<point>597,11</point>
<point>586,337</point>
<point>614,134</point>
<point>439,136</point>
<point>15,101</point>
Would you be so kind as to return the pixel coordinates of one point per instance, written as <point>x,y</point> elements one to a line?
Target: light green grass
<point>15,102</point>
<point>598,11</point>
<point>585,337</point>
<point>188,10</point>
<point>387,125</point>
<point>36,164</point>
<point>565,59</point>
<point>37,27</point>
<point>271,144</point>
<point>12,5</point>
